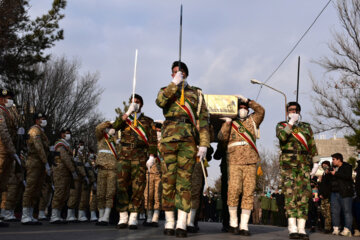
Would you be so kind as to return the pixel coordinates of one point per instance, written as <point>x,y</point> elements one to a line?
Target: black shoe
<point>58,222</point>
<point>225,229</point>
<point>155,224</point>
<point>244,232</point>
<point>132,227</point>
<point>122,226</point>
<point>191,229</point>
<point>181,233</point>
<point>169,232</point>
<point>3,224</point>
<point>303,236</point>
<point>293,236</point>
<point>102,223</point>
<point>147,224</point>
<point>234,230</point>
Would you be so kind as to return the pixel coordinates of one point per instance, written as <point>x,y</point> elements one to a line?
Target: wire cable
<point>297,43</point>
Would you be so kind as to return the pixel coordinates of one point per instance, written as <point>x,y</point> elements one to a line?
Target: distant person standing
<point>297,145</point>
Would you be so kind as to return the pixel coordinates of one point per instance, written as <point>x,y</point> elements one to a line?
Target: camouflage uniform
<point>7,148</point>
<point>196,185</point>
<point>295,162</point>
<point>15,188</point>
<point>242,159</point>
<point>326,212</point>
<point>46,190</point>
<point>85,192</point>
<point>131,169</point>
<point>155,187</point>
<point>62,173</point>
<point>38,146</point>
<point>179,142</point>
<point>75,193</point>
<point>106,162</point>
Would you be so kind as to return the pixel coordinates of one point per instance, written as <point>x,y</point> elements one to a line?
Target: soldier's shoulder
<point>148,119</point>
<point>305,124</point>
<point>195,88</point>
<point>34,130</point>
<point>281,123</point>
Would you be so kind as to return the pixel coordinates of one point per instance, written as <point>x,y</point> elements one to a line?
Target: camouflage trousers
<point>130,174</point>
<point>153,187</point>
<point>179,158</point>
<point>34,179</point>
<point>85,197</point>
<point>62,180</point>
<point>5,169</point>
<point>14,192</point>
<point>3,200</point>
<point>326,212</point>
<point>295,184</point>
<point>241,180</point>
<point>75,194</point>
<point>93,201</point>
<point>106,188</point>
<point>46,190</point>
<point>197,180</point>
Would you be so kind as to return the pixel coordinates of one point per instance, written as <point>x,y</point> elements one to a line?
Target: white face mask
<point>243,113</point>
<point>111,132</point>
<point>43,123</point>
<point>67,137</point>
<point>9,103</point>
<point>158,135</point>
<point>81,148</point>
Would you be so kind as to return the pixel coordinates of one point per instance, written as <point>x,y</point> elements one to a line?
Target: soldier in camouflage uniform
<point>46,191</point>
<point>63,173</point>
<point>75,192</point>
<point>179,142</point>
<point>38,147</point>
<point>86,188</point>
<point>7,135</point>
<point>242,157</point>
<point>152,193</point>
<point>93,201</point>
<point>298,147</point>
<point>106,178</point>
<point>138,148</point>
<point>324,193</point>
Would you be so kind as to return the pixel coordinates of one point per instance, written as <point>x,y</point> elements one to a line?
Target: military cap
<point>39,115</point>
<point>64,130</point>
<point>6,93</point>
<point>298,107</point>
<point>183,67</point>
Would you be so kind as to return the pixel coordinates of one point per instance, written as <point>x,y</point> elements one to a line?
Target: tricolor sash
<point>299,136</point>
<point>62,143</point>
<point>188,110</point>
<point>140,130</point>
<point>158,155</point>
<point>5,110</point>
<point>110,144</point>
<point>240,129</point>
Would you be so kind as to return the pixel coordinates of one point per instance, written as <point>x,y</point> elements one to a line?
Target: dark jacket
<point>325,186</point>
<point>343,177</point>
<point>357,182</point>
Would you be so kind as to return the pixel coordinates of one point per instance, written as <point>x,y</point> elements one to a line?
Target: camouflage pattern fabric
<point>244,154</point>
<point>75,194</point>
<point>85,198</point>
<point>179,162</point>
<point>15,188</point>
<point>326,212</point>
<point>7,148</point>
<point>295,168</point>
<point>46,190</point>
<point>106,188</point>
<point>3,200</point>
<point>104,160</point>
<point>241,180</point>
<point>131,167</point>
<point>93,201</point>
<point>34,178</point>
<point>155,188</point>
<point>179,142</point>
<point>197,181</point>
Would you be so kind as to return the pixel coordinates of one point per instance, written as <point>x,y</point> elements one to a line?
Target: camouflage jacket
<point>79,164</point>
<point>38,146</point>
<point>243,154</point>
<point>90,172</point>
<point>64,161</point>
<point>173,131</point>
<point>289,142</point>
<point>105,158</point>
<point>129,136</point>
<point>7,132</point>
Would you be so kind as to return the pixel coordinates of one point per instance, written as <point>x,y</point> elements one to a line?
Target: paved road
<point>88,231</point>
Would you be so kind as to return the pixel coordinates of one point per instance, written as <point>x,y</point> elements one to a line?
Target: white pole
<point>134,79</point>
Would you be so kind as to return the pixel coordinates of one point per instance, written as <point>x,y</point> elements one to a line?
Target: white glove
<point>202,152</point>
<point>293,118</point>
<point>48,169</point>
<point>132,108</point>
<point>314,169</point>
<point>178,78</point>
<point>150,162</point>
<point>243,99</point>
<point>111,132</point>
<point>226,119</point>
<point>74,175</point>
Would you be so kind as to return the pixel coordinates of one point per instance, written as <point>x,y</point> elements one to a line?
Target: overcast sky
<point>225,44</point>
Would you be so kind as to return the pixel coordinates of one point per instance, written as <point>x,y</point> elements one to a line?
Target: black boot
<point>133,227</point>
<point>293,236</point>
<point>122,226</point>
<point>303,236</point>
<point>169,232</point>
<point>244,232</point>
<point>155,224</point>
<point>181,233</point>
